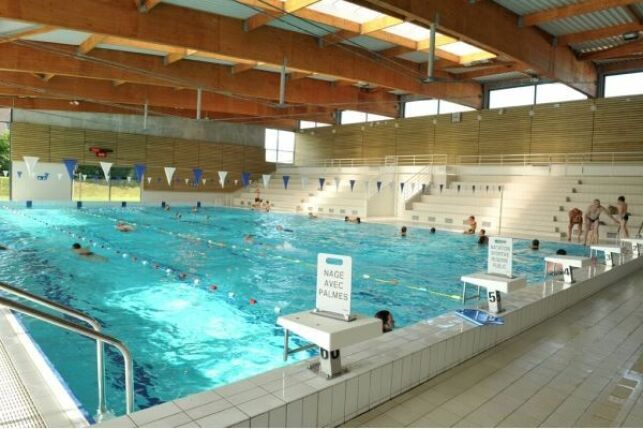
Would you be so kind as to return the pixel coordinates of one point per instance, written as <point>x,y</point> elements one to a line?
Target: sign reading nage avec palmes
<point>500,256</point>
<point>334,283</point>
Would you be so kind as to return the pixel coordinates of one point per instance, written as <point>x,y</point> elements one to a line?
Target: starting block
<point>329,334</point>
<point>609,252</point>
<point>568,263</point>
<point>494,284</point>
<point>636,244</point>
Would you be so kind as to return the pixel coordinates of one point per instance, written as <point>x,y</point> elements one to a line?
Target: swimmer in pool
<point>483,238</point>
<point>388,323</point>
<point>281,228</point>
<point>352,219</point>
<point>249,239</point>
<point>403,232</point>
<point>86,253</point>
<point>311,215</point>
<point>432,230</point>
<point>124,227</point>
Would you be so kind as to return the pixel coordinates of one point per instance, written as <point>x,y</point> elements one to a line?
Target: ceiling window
<point>280,146</point>
<point>556,93</point>
<point>413,109</point>
<point>307,125</point>
<point>519,96</point>
<point>356,117</point>
<point>619,85</point>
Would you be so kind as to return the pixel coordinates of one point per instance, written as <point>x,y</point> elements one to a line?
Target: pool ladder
<point>93,333</point>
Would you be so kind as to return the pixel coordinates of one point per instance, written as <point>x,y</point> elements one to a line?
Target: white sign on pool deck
<point>334,282</point>
<point>500,256</point>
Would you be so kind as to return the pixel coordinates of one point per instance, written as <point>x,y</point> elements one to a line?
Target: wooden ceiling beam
<point>601,33</point>
<point>151,70</point>
<point>21,34</point>
<point>193,29</point>
<point>491,27</point>
<point>90,43</point>
<point>240,68</point>
<point>488,71</point>
<point>574,9</point>
<point>378,24</point>
<point>272,11</point>
<point>144,6</point>
<point>631,49</point>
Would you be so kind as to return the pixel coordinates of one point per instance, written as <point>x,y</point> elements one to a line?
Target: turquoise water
<point>186,337</point>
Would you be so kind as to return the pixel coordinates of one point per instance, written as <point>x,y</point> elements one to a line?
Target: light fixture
<point>630,35</point>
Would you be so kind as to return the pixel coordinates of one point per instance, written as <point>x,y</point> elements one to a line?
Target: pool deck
<point>581,368</point>
<point>31,395</point>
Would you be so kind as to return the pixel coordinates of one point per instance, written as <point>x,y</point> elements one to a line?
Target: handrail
<point>553,158</point>
<point>100,366</point>
<point>387,161</point>
<point>90,333</point>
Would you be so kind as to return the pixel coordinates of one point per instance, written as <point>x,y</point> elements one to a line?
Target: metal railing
<point>386,161</point>
<point>93,333</point>
<point>582,158</point>
<point>415,183</point>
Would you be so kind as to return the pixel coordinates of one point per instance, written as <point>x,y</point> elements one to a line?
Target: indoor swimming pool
<point>196,299</point>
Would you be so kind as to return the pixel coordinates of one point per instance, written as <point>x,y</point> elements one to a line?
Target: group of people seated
<point>618,213</point>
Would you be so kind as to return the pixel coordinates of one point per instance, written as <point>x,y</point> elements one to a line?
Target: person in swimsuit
<point>592,215</point>
<point>623,216</point>
<point>575,218</point>
<point>124,227</point>
<point>86,253</point>
<point>471,222</point>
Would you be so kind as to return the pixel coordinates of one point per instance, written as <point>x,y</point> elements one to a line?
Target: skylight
<point>345,10</point>
<point>410,31</point>
<point>461,49</point>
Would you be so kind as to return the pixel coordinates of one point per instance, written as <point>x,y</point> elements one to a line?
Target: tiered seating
<point>528,206</point>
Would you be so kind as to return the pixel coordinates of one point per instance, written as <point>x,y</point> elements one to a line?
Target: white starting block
<point>568,263</point>
<point>609,252</point>
<point>494,284</point>
<point>329,334</point>
<point>636,244</point>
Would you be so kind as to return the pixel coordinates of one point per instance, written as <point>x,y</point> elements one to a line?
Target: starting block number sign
<point>334,283</point>
<point>500,256</point>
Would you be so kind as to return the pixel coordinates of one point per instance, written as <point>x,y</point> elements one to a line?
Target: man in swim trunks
<point>575,218</point>
<point>471,222</point>
<point>592,215</point>
<point>623,216</point>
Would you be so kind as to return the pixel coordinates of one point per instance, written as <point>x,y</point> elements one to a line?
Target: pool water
<point>154,290</point>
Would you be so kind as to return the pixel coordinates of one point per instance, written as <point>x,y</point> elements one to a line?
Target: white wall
<point>49,188</point>
<point>183,198</point>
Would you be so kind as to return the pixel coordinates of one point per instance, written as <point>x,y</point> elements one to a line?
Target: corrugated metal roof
<point>598,45</point>
<point>589,21</point>
<point>523,7</point>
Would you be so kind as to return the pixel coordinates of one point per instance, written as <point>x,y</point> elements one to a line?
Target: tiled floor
<point>583,367</point>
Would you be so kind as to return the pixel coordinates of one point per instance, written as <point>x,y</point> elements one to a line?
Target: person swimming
<point>483,238</point>
<point>86,253</point>
<point>403,232</point>
<point>352,219</point>
<point>388,323</point>
<point>311,215</point>
<point>432,230</point>
<point>535,244</point>
<point>124,227</point>
<point>472,225</point>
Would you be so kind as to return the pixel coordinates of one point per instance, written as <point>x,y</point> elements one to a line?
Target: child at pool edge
<point>387,320</point>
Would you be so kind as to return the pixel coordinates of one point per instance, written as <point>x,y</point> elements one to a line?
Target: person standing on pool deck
<point>592,215</point>
<point>575,218</point>
<point>623,216</point>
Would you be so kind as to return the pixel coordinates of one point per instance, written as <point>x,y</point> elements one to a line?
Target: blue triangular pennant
<point>321,183</point>
<point>352,182</point>
<point>286,179</point>
<point>139,171</point>
<point>70,164</point>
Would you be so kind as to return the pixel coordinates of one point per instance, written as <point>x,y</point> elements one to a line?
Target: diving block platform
<point>568,262</point>
<point>609,252</point>
<point>493,283</point>
<point>636,244</point>
<point>329,334</point>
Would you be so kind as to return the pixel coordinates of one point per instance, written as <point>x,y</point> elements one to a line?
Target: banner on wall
<point>245,179</point>
<point>352,182</point>
<point>222,176</point>
<point>321,183</point>
<point>169,173</point>
<point>286,179</point>
<point>106,166</point>
<point>30,163</point>
<point>198,173</point>
<point>266,180</point>
<point>70,165</point>
<point>139,171</point>
<point>337,181</point>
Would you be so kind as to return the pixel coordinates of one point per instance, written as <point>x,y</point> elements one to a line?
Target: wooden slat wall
<point>567,128</point>
<point>53,144</point>
<point>614,125</point>
<point>509,132</point>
